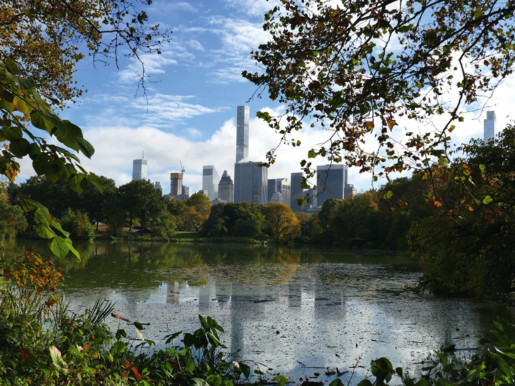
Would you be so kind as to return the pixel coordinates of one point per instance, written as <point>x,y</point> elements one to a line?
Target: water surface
<point>304,313</point>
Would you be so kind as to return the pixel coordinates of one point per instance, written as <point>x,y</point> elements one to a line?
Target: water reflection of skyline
<point>293,313</point>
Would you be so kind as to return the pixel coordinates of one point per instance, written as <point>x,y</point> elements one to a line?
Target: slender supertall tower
<point>242,133</point>
<point>489,129</point>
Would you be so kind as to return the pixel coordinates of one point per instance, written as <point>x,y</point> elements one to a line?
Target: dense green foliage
<point>468,239</point>
<point>12,220</point>
<point>380,70</point>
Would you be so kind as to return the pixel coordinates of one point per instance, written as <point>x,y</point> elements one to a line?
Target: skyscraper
<point>331,181</point>
<point>175,185</point>
<point>250,183</point>
<point>139,169</point>
<point>210,179</point>
<point>296,191</point>
<point>282,186</point>
<point>226,188</point>
<point>242,133</point>
<point>489,126</point>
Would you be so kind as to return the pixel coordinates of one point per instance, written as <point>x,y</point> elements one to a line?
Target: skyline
<point>193,91</point>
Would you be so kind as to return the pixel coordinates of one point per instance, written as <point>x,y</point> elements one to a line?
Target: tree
<point>281,222</point>
<point>141,200</point>
<point>94,202</point>
<point>468,241</point>
<point>202,205</point>
<point>47,38</point>
<point>356,68</point>
<point>12,220</point>
<point>40,44</point>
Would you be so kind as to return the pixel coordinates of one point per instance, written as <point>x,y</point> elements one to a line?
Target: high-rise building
<point>139,169</point>
<point>350,190</point>
<point>282,186</point>
<point>175,185</point>
<point>242,133</point>
<point>157,186</point>
<point>331,182</point>
<point>250,183</point>
<point>489,126</point>
<point>210,179</point>
<point>296,191</point>
<point>226,188</point>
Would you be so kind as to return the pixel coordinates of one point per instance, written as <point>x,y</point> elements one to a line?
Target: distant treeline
<point>458,216</point>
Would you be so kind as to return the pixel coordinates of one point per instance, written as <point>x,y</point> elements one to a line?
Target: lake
<point>305,313</point>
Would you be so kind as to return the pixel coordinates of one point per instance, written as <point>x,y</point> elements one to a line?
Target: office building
<point>350,190</point>
<point>331,182</point>
<point>139,169</point>
<point>489,126</point>
<point>176,188</point>
<point>226,188</point>
<point>210,179</point>
<point>250,183</point>
<point>242,133</point>
<point>296,191</point>
<point>281,186</point>
<point>185,193</point>
<point>157,186</point>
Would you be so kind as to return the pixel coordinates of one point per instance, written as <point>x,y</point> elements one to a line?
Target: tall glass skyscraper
<point>489,126</point>
<point>331,181</point>
<point>250,183</point>
<point>210,179</point>
<point>139,169</point>
<point>242,133</point>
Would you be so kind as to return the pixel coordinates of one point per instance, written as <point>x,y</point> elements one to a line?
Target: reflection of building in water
<point>173,292</point>
<point>203,297</point>
<point>294,294</point>
<point>329,300</point>
<point>223,292</point>
<point>245,307</point>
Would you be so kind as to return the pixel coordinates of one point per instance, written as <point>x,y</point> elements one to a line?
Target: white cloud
<point>251,7</point>
<point>153,64</point>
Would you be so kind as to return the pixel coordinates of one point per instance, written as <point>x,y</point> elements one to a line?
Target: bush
<point>78,225</point>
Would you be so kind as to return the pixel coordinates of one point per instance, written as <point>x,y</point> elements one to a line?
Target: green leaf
<point>11,66</point>
<point>139,326</point>
<point>75,182</point>
<point>60,246</point>
<point>20,147</point>
<point>487,200</point>
<point>281,380</point>
<point>45,232</point>
<point>93,178</point>
<point>87,149</point>
<point>40,121</point>
<point>74,251</point>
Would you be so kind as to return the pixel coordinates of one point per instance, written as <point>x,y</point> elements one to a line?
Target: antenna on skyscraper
<point>182,168</point>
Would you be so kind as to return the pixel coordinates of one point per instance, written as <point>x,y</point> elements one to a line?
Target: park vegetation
<point>357,69</point>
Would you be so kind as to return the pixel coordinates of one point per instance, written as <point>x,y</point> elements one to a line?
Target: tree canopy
<point>40,44</point>
<point>366,69</point>
<point>47,38</point>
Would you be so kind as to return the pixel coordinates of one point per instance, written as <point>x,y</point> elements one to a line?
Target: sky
<point>189,115</point>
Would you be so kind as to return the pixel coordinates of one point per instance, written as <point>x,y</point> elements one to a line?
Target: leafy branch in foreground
<point>47,38</point>
<point>27,122</point>
<point>374,73</point>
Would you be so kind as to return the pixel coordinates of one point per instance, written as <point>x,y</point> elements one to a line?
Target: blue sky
<point>194,88</point>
